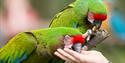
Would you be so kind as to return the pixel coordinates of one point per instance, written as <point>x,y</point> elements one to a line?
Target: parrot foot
<point>99,37</point>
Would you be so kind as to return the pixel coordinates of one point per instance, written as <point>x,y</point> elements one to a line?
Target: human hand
<point>83,57</point>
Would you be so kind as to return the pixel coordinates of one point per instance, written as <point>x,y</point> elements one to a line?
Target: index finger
<point>72,53</point>
<point>80,57</point>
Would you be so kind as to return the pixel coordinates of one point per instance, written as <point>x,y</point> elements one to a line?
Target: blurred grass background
<point>113,48</point>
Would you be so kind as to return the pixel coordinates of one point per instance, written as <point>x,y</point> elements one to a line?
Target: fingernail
<point>55,53</point>
<point>66,49</point>
<point>58,49</point>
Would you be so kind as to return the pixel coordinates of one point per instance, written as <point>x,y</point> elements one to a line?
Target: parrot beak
<point>97,25</point>
<point>67,44</point>
<point>77,47</point>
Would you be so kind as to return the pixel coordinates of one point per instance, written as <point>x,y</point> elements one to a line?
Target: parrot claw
<point>99,37</point>
<point>89,33</point>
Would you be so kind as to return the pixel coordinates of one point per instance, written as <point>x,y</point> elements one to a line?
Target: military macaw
<point>38,46</point>
<point>81,14</point>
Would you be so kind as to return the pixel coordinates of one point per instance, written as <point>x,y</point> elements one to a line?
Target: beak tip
<point>98,24</point>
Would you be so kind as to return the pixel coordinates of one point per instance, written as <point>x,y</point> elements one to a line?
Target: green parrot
<point>84,15</point>
<point>38,46</point>
<point>81,14</point>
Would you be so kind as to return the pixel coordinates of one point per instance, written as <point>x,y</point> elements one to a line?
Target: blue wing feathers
<point>11,59</point>
<point>23,57</point>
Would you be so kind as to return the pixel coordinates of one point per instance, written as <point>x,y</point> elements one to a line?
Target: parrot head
<point>97,13</point>
<point>74,42</point>
<point>96,19</point>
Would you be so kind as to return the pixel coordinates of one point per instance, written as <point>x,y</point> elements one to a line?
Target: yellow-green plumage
<point>35,46</point>
<point>72,16</point>
<point>38,46</point>
<point>97,6</point>
<point>21,45</point>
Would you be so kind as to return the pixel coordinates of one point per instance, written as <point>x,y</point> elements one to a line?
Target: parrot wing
<point>64,14</point>
<point>18,48</point>
<point>68,7</point>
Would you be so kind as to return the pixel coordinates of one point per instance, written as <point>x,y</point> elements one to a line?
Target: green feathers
<point>97,6</point>
<point>35,46</point>
<point>18,48</point>
<point>38,46</point>
<point>76,14</point>
<point>72,16</point>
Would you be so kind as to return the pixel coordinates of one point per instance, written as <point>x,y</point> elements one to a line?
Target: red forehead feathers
<point>100,17</point>
<point>78,38</point>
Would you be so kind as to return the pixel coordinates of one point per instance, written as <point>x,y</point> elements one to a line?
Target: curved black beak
<point>96,25</point>
<point>77,47</point>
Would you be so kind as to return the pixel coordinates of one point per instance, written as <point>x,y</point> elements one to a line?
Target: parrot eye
<point>90,17</point>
